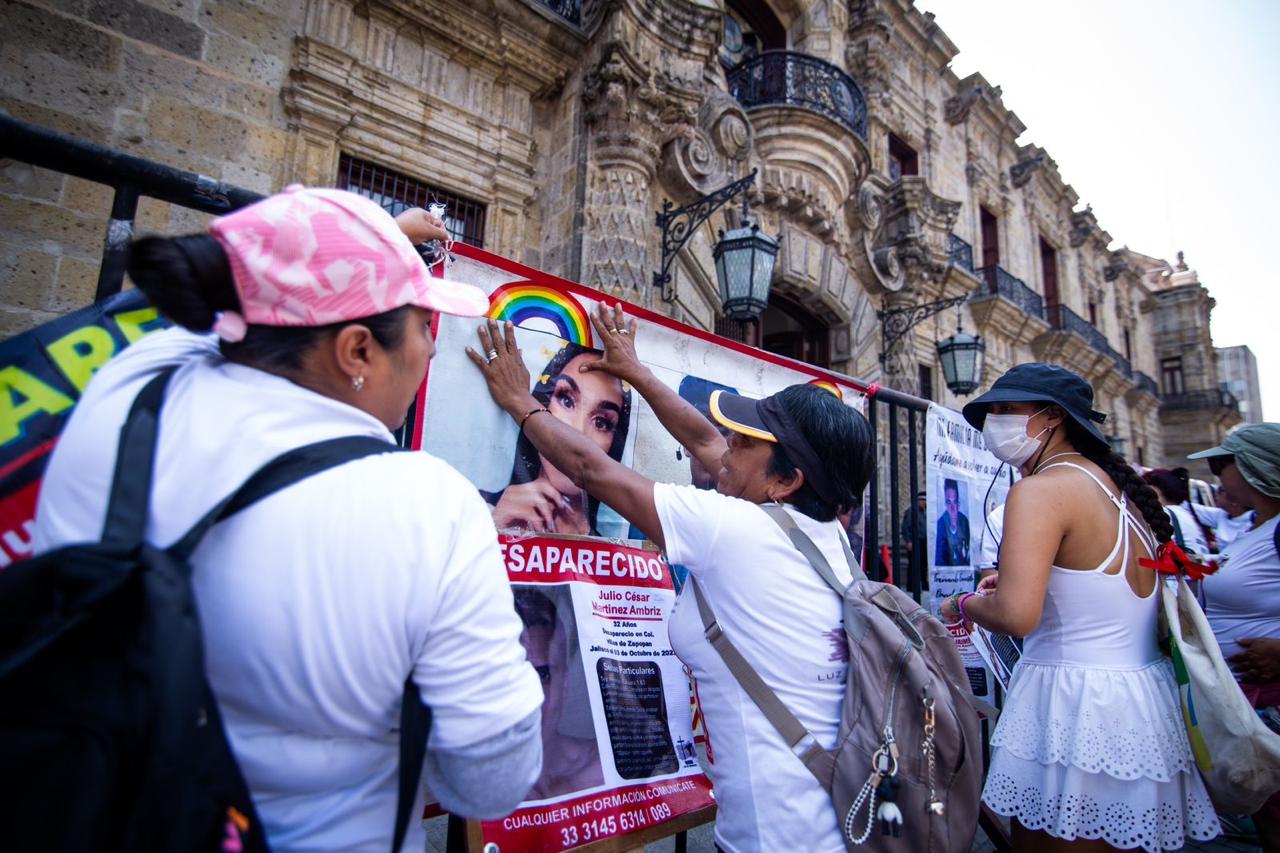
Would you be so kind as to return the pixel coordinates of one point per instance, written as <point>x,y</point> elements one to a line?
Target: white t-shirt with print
<point>317,602</point>
<point>789,625</point>
<point>1243,597</point>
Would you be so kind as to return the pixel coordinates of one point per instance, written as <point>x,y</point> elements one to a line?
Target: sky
<point>1165,116</point>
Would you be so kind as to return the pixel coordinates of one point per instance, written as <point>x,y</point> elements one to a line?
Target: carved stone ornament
<point>1116,267</point>
<point>1083,224</point>
<point>956,108</point>
<point>1020,173</point>
<point>906,231</point>
<point>702,157</point>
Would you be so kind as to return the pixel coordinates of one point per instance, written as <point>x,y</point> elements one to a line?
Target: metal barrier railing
<point>131,177</point>
<point>134,177</point>
<point>898,412</point>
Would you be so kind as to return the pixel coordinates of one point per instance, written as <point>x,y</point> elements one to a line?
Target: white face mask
<point>1007,439</point>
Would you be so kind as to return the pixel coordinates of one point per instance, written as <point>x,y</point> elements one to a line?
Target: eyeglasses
<point>1217,464</point>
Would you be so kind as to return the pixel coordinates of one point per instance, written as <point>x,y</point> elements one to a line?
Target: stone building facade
<point>1238,373</point>
<point>556,128</point>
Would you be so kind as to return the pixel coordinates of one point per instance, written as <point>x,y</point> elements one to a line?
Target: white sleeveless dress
<point>1091,742</point>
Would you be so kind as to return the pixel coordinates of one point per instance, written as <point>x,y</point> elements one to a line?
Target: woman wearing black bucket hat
<point>801,448</point>
<point>1090,749</point>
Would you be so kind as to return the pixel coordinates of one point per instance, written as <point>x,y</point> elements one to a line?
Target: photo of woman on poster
<point>951,545</point>
<point>539,498</point>
<point>570,756</point>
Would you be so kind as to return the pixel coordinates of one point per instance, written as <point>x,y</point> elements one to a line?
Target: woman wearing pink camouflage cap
<point>320,600</point>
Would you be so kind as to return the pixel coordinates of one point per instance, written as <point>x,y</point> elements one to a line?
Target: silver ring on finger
<point>624,331</point>
<point>490,356</point>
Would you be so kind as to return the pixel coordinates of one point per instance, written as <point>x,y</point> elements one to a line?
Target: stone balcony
<point>808,120</point>
<point>1075,343</point>
<point>569,10</point>
<point>1209,400</point>
<point>786,78</point>
<point>1005,303</point>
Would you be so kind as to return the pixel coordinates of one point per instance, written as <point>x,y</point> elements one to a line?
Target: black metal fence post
<point>115,249</point>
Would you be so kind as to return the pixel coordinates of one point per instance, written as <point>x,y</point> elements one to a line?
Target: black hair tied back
<point>187,278</point>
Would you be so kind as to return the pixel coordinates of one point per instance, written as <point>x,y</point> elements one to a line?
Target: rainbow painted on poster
<point>828,386</point>
<point>521,301</point>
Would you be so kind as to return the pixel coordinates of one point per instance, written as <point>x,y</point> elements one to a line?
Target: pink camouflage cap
<point>311,257</point>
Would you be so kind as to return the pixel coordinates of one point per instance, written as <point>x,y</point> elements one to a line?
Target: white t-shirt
<point>1230,528</point>
<point>1243,597</point>
<point>1185,523</point>
<point>788,624</point>
<point>317,602</point>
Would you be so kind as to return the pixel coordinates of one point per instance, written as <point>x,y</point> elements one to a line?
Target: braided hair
<point>1115,466</point>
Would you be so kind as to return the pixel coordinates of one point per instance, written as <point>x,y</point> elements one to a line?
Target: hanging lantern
<point>744,268</point>
<point>961,357</point>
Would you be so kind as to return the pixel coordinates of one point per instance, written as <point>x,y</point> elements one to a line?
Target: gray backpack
<point>906,772</point>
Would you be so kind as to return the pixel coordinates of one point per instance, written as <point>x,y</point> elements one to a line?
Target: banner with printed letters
<point>42,374</point>
<point>618,735</point>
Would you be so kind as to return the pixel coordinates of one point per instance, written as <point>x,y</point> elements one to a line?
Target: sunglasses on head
<point>1218,463</point>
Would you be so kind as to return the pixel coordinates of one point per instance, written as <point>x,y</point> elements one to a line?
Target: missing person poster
<point>618,720</point>
<point>966,489</point>
<point>618,751</point>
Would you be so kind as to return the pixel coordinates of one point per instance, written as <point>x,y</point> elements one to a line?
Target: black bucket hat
<point>1042,383</point>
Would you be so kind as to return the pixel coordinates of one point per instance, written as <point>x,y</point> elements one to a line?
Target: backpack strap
<point>283,471</point>
<point>805,746</point>
<point>415,726</point>
<point>130,498</point>
<point>286,469</point>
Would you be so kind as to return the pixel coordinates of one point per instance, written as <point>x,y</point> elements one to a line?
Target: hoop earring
<point>357,383</point>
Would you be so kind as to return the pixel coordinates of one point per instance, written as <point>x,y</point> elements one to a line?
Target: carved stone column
<point>629,117</point>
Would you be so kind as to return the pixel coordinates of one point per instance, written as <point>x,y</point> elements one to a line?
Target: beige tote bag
<point>1238,756</point>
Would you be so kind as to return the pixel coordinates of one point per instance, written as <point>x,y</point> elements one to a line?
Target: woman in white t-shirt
<point>1192,525</point>
<point>319,601</point>
<point>802,448</point>
<point>1243,596</point>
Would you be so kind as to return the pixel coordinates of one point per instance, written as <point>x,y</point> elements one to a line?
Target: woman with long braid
<point>1090,752</point>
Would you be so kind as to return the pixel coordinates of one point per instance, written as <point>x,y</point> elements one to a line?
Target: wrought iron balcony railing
<point>1206,400</point>
<point>799,80</point>
<point>1064,319</point>
<point>1008,286</point>
<point>1146,383</point>
<point>570,10</point>
<point>961,252</point>
<point>1122,364</point>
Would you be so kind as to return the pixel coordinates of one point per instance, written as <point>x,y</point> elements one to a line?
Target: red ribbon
<point>1172,560</point>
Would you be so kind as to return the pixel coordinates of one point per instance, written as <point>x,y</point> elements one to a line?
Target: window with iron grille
<point>396,192</point>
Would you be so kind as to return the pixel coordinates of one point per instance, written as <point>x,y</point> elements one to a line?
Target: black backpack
<point>110,737</point>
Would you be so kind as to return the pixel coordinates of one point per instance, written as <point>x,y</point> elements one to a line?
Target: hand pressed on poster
<point>539,497</point>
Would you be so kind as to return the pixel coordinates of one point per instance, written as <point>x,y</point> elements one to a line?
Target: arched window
<point>788,328</point>
<point>749,29</point>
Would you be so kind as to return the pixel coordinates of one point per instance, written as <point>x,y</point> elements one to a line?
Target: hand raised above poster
<point>553,330</point>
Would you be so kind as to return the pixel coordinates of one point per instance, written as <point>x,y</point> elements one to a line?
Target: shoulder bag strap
<point>805,546</point>
<point>885,602</point>
<point>797,737</point>
<point>126,521</point>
